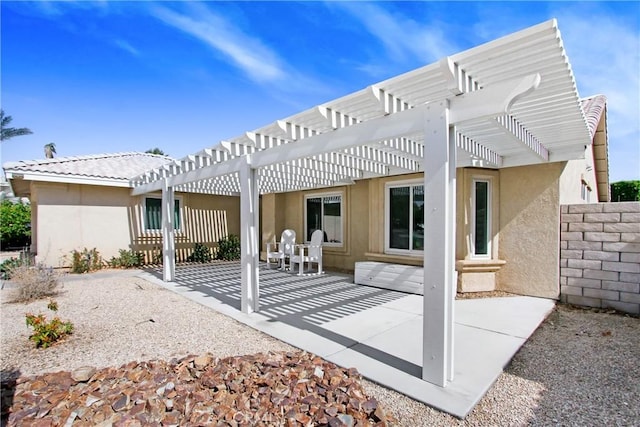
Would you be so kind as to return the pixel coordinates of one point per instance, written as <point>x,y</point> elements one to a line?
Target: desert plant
<point>46,332</point>
<point>127,259</point>
<point>25,258</point>
<point>34,282</point>
<point>229,248</point>
<point>85,260</point>
<point>201,253</point>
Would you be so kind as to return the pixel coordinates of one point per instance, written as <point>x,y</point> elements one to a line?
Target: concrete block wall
<point>600,255</point>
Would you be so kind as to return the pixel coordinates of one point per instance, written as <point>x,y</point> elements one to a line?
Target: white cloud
<point>605,57</point>
<point>249,54</point>
<point>126,46</point>
<point>401,36</point>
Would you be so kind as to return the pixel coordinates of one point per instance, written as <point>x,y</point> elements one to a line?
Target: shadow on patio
<point>377,331</point>
<point>312,303</point>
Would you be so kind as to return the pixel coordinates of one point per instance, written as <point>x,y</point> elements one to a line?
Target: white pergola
<point>510,102</point>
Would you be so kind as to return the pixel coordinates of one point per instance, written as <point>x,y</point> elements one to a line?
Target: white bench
<point>396,277</point>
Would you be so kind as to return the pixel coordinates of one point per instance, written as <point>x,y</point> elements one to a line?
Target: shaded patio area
<point>377,331</point>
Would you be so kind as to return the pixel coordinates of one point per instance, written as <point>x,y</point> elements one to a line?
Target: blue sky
<point>109,76</point>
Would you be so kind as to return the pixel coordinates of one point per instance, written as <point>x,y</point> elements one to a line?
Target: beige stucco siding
<point>529,229</point>
<point>73,217</point>
<point>574,174</point>
<point>68,217</point>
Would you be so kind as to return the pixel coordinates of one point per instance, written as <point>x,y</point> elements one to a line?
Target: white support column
<point>249,220</point>
<point>439,260</point>
<point>452,281</point>
<point>168,233</point>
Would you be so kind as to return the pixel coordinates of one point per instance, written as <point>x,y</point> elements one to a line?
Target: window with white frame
<point>481,218</point>
<point>153,214</point>
<point>404,214</point>
<point>324,212</point>
<point>585,191</point>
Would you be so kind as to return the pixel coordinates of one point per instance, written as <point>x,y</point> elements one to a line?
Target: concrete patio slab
<point>377,331</point>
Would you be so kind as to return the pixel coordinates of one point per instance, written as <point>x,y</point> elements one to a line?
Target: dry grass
<point>34,282</point>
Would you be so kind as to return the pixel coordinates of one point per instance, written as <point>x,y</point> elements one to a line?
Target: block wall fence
<point>600,255</point>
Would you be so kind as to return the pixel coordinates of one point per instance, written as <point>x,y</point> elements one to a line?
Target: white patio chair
<point>311,253</point>
<point>282,250</point>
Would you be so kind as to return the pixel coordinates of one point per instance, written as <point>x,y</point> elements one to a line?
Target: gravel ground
<point>581,367</point>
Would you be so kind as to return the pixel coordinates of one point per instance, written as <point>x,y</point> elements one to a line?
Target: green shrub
<point>85,261</point>
<point>46,333</point>
<point>127,259</point>
<point>625,191</point>
<point>34,282</point>
<point>229,248</point>
<point>15,224</point>
<point>201,253</point>
<point>8,265</point>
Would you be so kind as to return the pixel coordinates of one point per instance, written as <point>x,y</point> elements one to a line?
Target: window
<point>324,212</point>
<point>405,218</point>
<point>153,214</point>
<point>481,230</point>
<point>585,192</point>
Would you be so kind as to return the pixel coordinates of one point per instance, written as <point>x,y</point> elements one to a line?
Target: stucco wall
<point>574,173</point>
<point>529,233</point>
<point>73,217</point>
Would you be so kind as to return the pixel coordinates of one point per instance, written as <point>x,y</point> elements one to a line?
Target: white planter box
<point>396,277</point>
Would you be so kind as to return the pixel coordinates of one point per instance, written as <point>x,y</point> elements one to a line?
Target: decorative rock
<point>293,388</point>
<point>83,374</point>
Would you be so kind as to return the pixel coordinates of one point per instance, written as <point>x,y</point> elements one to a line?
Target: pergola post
<point>168,233</point>
<point>249,220</point>
<point>439,254</point>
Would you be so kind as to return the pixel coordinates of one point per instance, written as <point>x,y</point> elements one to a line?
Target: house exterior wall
<point>529,233</point>
<point>73,217</point>
<point>525,234</point>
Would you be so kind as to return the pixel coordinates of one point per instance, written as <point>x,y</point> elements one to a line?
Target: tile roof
<point>115,166</point>
<point>593,108</point>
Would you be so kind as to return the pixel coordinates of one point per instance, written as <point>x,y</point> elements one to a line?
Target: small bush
<point>127,259</point>
<point>229,248</point>
<point>46,333</point>
<point>85,261</point>
<point>8,265</point>
<point>34,282</point>
<point>15,224</point>
<point>201,253</point>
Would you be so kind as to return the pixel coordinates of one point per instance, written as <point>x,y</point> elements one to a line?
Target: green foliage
<point>15,224</point>
<point>34,282</point>
<point>46,332</point>
<point>85,261</point>
<point>229,248</point>
<point>8,265</point>
<point>7,132</point>
<point>127,259</point>
<point>625,191</point>
<point>201,253</point>
<point>156,150</point>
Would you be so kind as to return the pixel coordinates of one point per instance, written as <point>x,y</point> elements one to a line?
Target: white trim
<point>342,219</point>
<point>395,184</point>
<point>143,218</point>
<point>66,179</point>
<point>472,231</point>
